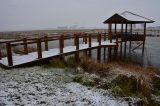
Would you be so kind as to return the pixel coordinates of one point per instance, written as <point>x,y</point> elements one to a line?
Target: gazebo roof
<point>128,17</point>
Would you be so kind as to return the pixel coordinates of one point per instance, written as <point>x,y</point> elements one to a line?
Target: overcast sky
<point>49,14</point>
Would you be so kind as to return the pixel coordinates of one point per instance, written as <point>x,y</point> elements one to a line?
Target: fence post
<point>25,46</point>
<point>46,43</point>
<point>9,53</point>
<point>39,48</point>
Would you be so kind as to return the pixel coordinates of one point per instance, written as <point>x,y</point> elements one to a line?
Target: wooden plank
<point>39,48</point>
<point>9,54</point>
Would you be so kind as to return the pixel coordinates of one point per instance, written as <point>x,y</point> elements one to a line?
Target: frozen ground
<point>39,86</point>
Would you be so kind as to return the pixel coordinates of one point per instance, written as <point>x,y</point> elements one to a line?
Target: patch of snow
<point>39,86</point>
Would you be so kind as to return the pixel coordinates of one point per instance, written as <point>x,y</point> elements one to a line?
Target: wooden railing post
<point>99,48</point>
<point>116,48</point>
<point>90,40</point>
<point>85,39</point>
<point>77,42</point>
<point>39,48</point>
<point>9,53</point>
<point>61,43</point>
<point>77,47</point>
<point>0,54</point>
<point>25,46</point>
<point>105,36</point>
<point>46,43</point>
<point>99,38</point>
<point>90,45</point>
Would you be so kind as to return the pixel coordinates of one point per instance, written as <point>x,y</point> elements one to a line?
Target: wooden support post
<point>77,47</point>
<point>85,39</point>
<point>99,53</point>
<point>121,49</point>
<point>125,41</point>
<point>46,43</point>
<point>39,48</point>
<point>130,40</point>
<point>121,40</point>
<point>25,46</point>
<point>110,32</point>
<point>61,43</point>
<point>115,30</point>
<point>77,41</point>
<point>61,46</point>
<point>90,45</point>
<point>99,48</point>
<point>109,53</point>
<point>0,54</point>
<point>105,36</point>
<point>116,48</point>
<point>99,38</point>
<point>9,54</point>
<point>104,54</point>
<point>144,39</point>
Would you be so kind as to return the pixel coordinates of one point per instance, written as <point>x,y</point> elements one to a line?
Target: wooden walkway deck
<point>86,45</point>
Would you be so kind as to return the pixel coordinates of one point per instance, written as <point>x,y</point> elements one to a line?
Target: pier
<point>83,42</point>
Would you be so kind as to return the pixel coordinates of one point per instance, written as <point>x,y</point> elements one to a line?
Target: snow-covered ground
<point>54,87</point>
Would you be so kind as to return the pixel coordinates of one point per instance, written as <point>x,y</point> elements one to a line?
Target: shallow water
<point>151,55</point>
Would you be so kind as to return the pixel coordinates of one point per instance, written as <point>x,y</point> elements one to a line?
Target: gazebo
<point>126,34</point>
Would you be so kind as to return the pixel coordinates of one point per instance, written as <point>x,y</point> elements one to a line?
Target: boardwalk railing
<point>87,39</point>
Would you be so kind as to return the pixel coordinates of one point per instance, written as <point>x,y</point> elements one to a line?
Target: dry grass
<point>20,50</point>
<point>91,65</point>
<point>143,74</point>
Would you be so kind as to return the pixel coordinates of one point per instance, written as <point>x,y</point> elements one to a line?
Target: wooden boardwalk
<point>88,43</point>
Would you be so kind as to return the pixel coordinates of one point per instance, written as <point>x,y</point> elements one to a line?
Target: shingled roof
<point>128,17</point>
